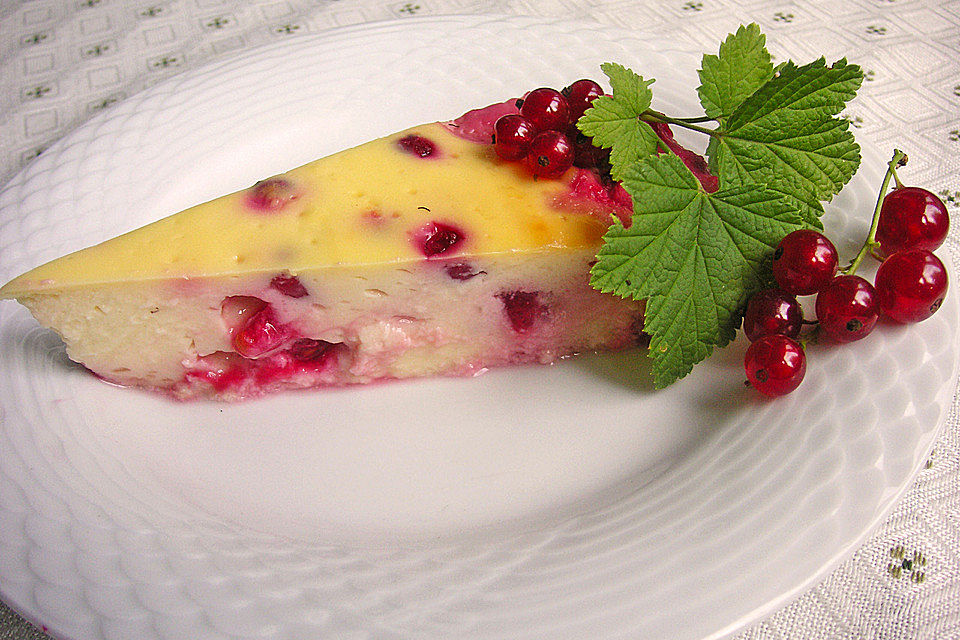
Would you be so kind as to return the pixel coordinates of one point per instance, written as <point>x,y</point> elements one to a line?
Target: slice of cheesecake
<point>421,253</point>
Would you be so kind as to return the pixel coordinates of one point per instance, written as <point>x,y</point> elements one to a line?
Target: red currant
<point>579,95</point>
<point>586,155</point>
<point>547,109</point>
<point>523,308</point>
<point>847,308</point>
<point>289,285</point>
<point>550,155</point>
<point>775,365</point>
<point>804,262</point>
<point>417,145</point>
<point>772,311</point>
<point>911,285</point>
<point>512,137</point>
<point>260,334</point>
<point>911,217</point>
<point>272,195</point>
<point>434,238</point>
<point>306,349</point>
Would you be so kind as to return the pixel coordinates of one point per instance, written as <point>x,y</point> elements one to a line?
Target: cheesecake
<point>422,253</point>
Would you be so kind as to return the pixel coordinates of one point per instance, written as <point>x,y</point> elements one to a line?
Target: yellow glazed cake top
<point>380,202</point>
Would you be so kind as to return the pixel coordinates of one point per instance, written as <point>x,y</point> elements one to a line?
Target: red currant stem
<point>871,244</point>
<point>900,163</point>
<point>682,121</point>
<point>896,178</point>
<point>688,123</point>
<point>811,337</point>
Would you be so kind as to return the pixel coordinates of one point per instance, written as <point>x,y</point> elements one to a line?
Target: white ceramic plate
<point>548,502</point>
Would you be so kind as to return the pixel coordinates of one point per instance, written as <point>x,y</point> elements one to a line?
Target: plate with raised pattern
<point>569,501</point>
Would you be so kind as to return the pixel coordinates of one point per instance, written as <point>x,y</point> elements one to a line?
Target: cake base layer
<point>245,335</point>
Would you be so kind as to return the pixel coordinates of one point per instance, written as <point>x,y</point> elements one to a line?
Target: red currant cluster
<point>544,135</point>
<point>910,284</point>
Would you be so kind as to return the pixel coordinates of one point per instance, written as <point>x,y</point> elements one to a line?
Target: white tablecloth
<point>63,61</point>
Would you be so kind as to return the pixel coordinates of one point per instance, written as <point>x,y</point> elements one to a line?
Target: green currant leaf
<point>695,257</point>
<point>802,200</point>
<point>742,66</point>
<point>779,151</point>
<point>786,134</point>
<point>614,121</point>
<point>807,206</point>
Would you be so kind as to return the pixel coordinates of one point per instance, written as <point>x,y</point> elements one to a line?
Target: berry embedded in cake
<point>421,253</point>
